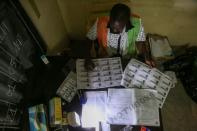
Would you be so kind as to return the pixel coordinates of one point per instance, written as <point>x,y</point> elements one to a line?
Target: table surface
<point>49,80</point>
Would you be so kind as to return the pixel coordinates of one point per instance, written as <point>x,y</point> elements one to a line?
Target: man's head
<point>119,18</point>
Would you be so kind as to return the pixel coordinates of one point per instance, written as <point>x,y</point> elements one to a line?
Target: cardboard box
<point>37,118</point>
<point>55,111</point>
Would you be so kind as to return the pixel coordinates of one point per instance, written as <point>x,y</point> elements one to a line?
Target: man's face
<point>117,27</point>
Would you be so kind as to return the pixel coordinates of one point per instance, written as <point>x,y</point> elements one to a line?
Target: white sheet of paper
<point>147,112</point>
<point>107,73</point>
<point>118,107</point>
<point>132,107</point>
<point>105,127</point>
<point>93,111</point>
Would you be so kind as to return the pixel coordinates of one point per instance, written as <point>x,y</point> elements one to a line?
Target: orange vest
<point>102,34</point>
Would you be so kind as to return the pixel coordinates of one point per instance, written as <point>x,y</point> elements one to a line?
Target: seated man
<point>118,34</point>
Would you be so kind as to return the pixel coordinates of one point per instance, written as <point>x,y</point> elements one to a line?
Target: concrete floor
<point>179,112</point>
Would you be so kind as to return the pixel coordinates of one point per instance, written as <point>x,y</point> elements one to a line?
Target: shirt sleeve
<point>92,33</point>
<point>141,35</point>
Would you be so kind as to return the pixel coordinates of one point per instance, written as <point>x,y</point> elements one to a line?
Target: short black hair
<point>120,12</point>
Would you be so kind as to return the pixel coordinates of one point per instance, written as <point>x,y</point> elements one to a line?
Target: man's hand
<point>151,63</point>
<point>89,65</point>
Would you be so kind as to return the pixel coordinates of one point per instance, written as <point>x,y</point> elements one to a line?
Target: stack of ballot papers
<point>68,88</point>
<point>140,75</point>
<point>107,73</point>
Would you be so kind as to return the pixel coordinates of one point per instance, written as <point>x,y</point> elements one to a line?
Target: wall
<point>61,20</point>
<point>50,24</point>
<point>76,14</point>
<point>175,18</point>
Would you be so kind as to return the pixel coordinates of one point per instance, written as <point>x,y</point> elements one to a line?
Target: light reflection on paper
<point>93,111</point>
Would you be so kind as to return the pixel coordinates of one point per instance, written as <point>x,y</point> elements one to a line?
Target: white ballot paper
<point>107,73</point>
<point>132,107</point>
<point>140,75</point>
<point>93,111</point>
<point>68,88</point>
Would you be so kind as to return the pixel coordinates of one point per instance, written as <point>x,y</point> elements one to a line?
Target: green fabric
<point>132,35</point>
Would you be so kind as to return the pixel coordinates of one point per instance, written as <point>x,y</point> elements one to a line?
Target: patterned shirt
<point>112,39</point>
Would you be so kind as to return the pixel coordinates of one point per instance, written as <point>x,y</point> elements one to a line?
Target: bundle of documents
<point>140,75</point>
<point>68,88</point>
<point>107,73</point>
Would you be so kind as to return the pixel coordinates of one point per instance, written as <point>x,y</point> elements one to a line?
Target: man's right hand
<point>89,65</point>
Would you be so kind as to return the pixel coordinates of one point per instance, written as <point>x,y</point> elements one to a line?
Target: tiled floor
<point>179,112</point>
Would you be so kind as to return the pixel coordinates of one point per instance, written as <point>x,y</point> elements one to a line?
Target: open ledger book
<point>132,107</point>
<point>121,107</point>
